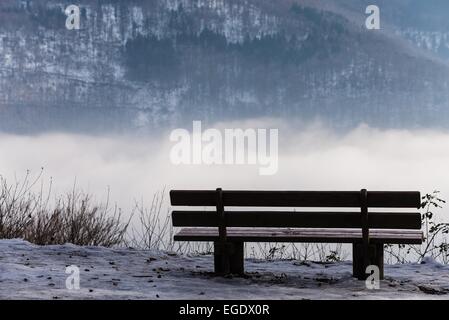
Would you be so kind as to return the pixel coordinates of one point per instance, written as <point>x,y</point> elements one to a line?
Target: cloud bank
<point>309,158</point>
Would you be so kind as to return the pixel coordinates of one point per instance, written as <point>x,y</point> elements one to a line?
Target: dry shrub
<point>155,231</point>
<point>73,218</point>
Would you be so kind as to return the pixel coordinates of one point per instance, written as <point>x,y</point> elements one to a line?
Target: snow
<point>28,271</point>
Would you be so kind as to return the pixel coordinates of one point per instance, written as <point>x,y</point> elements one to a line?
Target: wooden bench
<point>367,231</point>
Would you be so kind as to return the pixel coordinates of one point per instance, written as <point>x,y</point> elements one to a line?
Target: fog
<point>311,157</point>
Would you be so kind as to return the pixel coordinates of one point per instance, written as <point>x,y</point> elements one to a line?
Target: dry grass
<point>154,230</point>
<point>72,218</point>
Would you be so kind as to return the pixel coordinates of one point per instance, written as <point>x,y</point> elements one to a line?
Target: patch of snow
<point>29,271</point>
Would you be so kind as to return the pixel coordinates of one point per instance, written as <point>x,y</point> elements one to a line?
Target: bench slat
<point>377,220</point>
<point>301,235</point>
<point>376,199</point>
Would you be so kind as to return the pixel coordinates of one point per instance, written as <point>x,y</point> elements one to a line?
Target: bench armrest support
<point>222,231</point>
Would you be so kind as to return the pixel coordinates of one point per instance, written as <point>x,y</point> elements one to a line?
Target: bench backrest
<point>320,199</point>
<point>297,199</point>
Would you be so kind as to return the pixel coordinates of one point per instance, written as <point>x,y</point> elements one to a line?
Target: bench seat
<point>299,235</point>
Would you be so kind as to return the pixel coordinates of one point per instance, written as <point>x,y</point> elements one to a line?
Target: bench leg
<point>236,258</point>
<point>376,257</point>
<point>221,266</point>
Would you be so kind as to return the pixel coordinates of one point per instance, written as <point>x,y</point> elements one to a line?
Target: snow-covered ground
<point>34,272</point>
